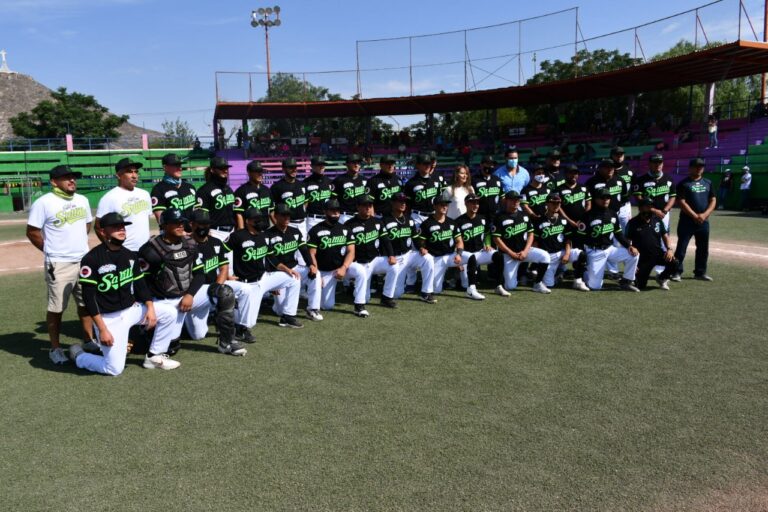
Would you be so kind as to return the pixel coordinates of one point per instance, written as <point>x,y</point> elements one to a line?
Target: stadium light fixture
<point>266,17</point>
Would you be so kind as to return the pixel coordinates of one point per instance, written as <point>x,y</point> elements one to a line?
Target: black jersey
<point>166,195</point>
<point>599,228</point>
<point>330,242</point>
<point>615,186</point>
<point>283,247</point>
<point>318,190</point>
<point>627,175</point>
<point>535,198</point>
<point>369,239</point>
<point>211,255</point>
<point>552,233</point>
<point>347,188</point>
<point>382,187</point>
<point>292,194</point>
<point>439,238</point>
<point>249,253</point>
<point>422,191</point>
<point>473,232</point>
<point>488,188</point>
<point>659,190</point>
<point>249,195</point>
<point>513,229</point>
<point>646,235</point>
<point>400,232</point>
<point>219,202</point>
<point>111,280</point>
<point>574,200</point>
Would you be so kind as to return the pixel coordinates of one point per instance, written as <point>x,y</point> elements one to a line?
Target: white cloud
<point>670,28</point>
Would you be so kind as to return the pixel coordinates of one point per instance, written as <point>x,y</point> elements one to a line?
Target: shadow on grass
<point>28,346</point>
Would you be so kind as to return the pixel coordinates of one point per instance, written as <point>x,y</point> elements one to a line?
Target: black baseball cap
<point>289,163</point>
<point>617,150</point>
<point>571,169</point>
<point>606,162</point>
<point>172,159</point>
<point>697,162</point>
<point>555,153</point>
<point>472,198</point>
<point>487,159</point>
<point>365,199</point>
<point>172,215</point>
<point>252,213</point>
<point>353,158</point>
<point>387,159</point>
<point>422,158</point>
<point>399,196</point>
<point>63,170</point>
<point>332,204</point>
<point>254,166</point>
<point>432,155</point>
<point>537,167</point>
<point>218,162</point>
<point>512,194</point>
<point>645,202</point>
<point>317,160</point>
<point>127,163</point>
<point>602,193</point>
<point>282,209</point>
<point>113,219</point>
<point>657,157</point>
<point>200,217</point>
<point>444,198</point>
<point>554,196</point>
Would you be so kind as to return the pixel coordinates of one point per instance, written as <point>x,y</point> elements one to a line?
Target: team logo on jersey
<point>154,201</point>
<point>217,249</point>
<point>179,255</point>
<point>248,243</point>
<point>581,226</point>
<point>275,239</point>
<point>507,222</point>
<point>358,229</point>
<point>323,232</point>
<point>238,202</point>
<point>85,271</point>
<point>143,265</point>
<point>215,192</point>
<point>596,222</point>
<point>434,228</point>
<point>171,193</point>
<point>251,195</point>
<point>109,267</point>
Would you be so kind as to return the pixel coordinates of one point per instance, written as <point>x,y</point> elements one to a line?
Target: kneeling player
<point>553,234</point>
<point>440,236</point>
<point>648,233</point>
<point>475,233</point>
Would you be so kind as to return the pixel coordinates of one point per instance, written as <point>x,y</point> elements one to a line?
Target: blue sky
<point>156,59</point>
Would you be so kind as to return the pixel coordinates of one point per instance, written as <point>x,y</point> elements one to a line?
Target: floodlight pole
<point>269,75</point>
<point>765,39</point>
<point>263,17</point>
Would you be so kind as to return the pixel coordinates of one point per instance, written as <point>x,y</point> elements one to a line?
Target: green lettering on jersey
<point>333,241</point>
<point>255,253</point>
<point>114,281</point>
<point>224,200</point>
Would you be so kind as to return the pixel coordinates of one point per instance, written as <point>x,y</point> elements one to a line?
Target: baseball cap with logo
<point>617,150</point>
<point>512,194</point>
<point>571,169</point>
<point>399,196</point>
<point>422,158</point>
<point>172,159</point>
<point>113,219</point>
<point>252,213</point>
<point>254,166</point>
<point>697,162</point>
<point>172,216</point>
<point>487,159</point>
<point>282,209</point>
<point>554,154</point>
<point>200,217</point>
<point>554,197</point>
<point>127,163</point>
<point>602,193</point>
<point>444,198</point>
<point>387,159</point>
<point>218,162</point>
<point>332,204</point>
<point>317,160</point>
<point>289,163</point>
<point>63,170</point>
<point>644,202</point>
<point>655,158</point>
<point>472,198</point>
<point>606,162</point>
<point>365,199</point>
<point>353,158</point>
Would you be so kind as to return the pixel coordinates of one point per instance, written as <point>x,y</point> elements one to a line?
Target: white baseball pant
<point>482,257</point>
<point>597,259</point>
<point>322,289</point>
<point>535,255</point>
<point>164,334</point>
<point>196,321</point>
<point>442,264</point>
<point>379,265</point>
<point>554,264</point>
<point>411,261</point>
<point>411,272</point>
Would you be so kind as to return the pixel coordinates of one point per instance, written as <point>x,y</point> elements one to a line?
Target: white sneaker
<point>578,284</point>
<point>540,287</point>
<point>74,351</point>
<point>314,315</point>
<point>91,347</point>
<point>161,361</point>
<point>473,294</point>
<point>501,291</point>
<point>57,356</point>
<point>663,283</point>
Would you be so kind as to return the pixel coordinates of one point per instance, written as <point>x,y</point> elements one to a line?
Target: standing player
<point>218,199</point>
<point>441,238</point>
<point>657,187</point>
<point>512,233</point>
<point>422,189</point>
<point>606,178</point>
<point>648,234</point>
<point>318,189</point>
<point>599,230</point>
<point>534,195</point>
<point>252,194</point>
<point>58,225</point>
<point>290,192</point>
<point>348,187</point>
<point>116,297</point>
<point>488,188</point>
<point>475,233</point>
<point>626,175</point>
<point>172,191</point>
<point>384,185</point>
<point>575,199</point>
<point>131,202</point>
<point>552,169</point>
<point>696,198</point>
<point>553,234</point>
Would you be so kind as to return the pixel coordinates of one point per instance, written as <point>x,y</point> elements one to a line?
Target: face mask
<point>512,162</point>
<point>116,241</point>
<point>202,232</point>
<point>541,178</point>
<point>262,225</point>
<point>332,220</point>
<point>646,215</point>
<point>218,179</point>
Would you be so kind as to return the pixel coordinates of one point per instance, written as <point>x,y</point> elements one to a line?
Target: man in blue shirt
<point>696,198</point>
<point>512,175</point>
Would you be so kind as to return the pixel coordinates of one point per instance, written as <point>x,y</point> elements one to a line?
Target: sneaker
<point>410,288</point>
<point>702,277</point>
<point>242,333</point>
<point>473,294</point>
<point>427,297</point>
<point>578,284</point>
<point>676,278</point>
<point>450,284</point>
<point>160,361</point>
<point>388,302</point>
<point>663,283</point>
<point>613,276</point>
<point>234,348</point>
<point>74,351</point>
<point>524,280</point>
<point>290,321</point>
<point>540,287</point>
<point>314,315</point>
<point>361,311</point>
<point>91,347</point>
<point>501,291</point>
<point>174,347</point>
<point>57,356</point>
<point>628,286</point>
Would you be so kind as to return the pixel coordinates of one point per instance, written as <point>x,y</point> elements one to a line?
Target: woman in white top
<point>461,185</point>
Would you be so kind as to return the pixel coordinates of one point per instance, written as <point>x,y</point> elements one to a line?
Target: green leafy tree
<point>78,114</point>
<point>179,131</point>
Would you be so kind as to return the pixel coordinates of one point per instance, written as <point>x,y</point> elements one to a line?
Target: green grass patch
<point>599,401</point>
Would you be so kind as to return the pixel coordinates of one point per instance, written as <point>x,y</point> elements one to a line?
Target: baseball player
<point>131,202</point>
<point>250,249</point>
<point>657,187</point>
<point>475,233</point>
<point>400,230</point>
<point>553,234</point>
<point>168,264</point>
<point>384,185</point>
<point>488,188</point>
<point>512,234</point>
<point>218,199</point>
<point>290,192</point>
<point>252,194</point>
<point>332,249</point>
<point>649,235</point>
<point>441,238</point>
<point>606,178</point>
<point>534,195</point>
<point>117,297</point>
<point>318,189</point>
<point>348,187</point>
<point>626,175</point>
<point>552,170</point>
<point>172,191</point>
<point>575,198</point>
<point>599,229</point>
<point>58,225</point>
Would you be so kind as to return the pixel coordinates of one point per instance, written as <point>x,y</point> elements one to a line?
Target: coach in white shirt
<point>744,186</point>
<point>132,203</point>
<point>58,225</point>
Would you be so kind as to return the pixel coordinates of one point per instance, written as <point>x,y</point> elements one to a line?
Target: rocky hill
<point>21,93</point>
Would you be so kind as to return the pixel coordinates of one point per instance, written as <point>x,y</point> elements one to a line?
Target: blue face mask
<point>512,162</point>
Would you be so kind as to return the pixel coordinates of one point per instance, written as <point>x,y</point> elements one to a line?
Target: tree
<point>78,114</point>
<point>180,131</point>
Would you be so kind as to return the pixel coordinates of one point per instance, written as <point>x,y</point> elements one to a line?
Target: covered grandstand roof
<point>740,58</point>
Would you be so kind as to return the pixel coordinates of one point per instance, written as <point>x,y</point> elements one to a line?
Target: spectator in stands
<point>746,184</point>
<point>725,187</point>
<point>460,188</point>
<point>197,146</point>
<point>239,138</point>
<point>401,151</point>
<point>222,138</point>
<point>466,153</point>
<point>712,130</point>
<point>512,175</point>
